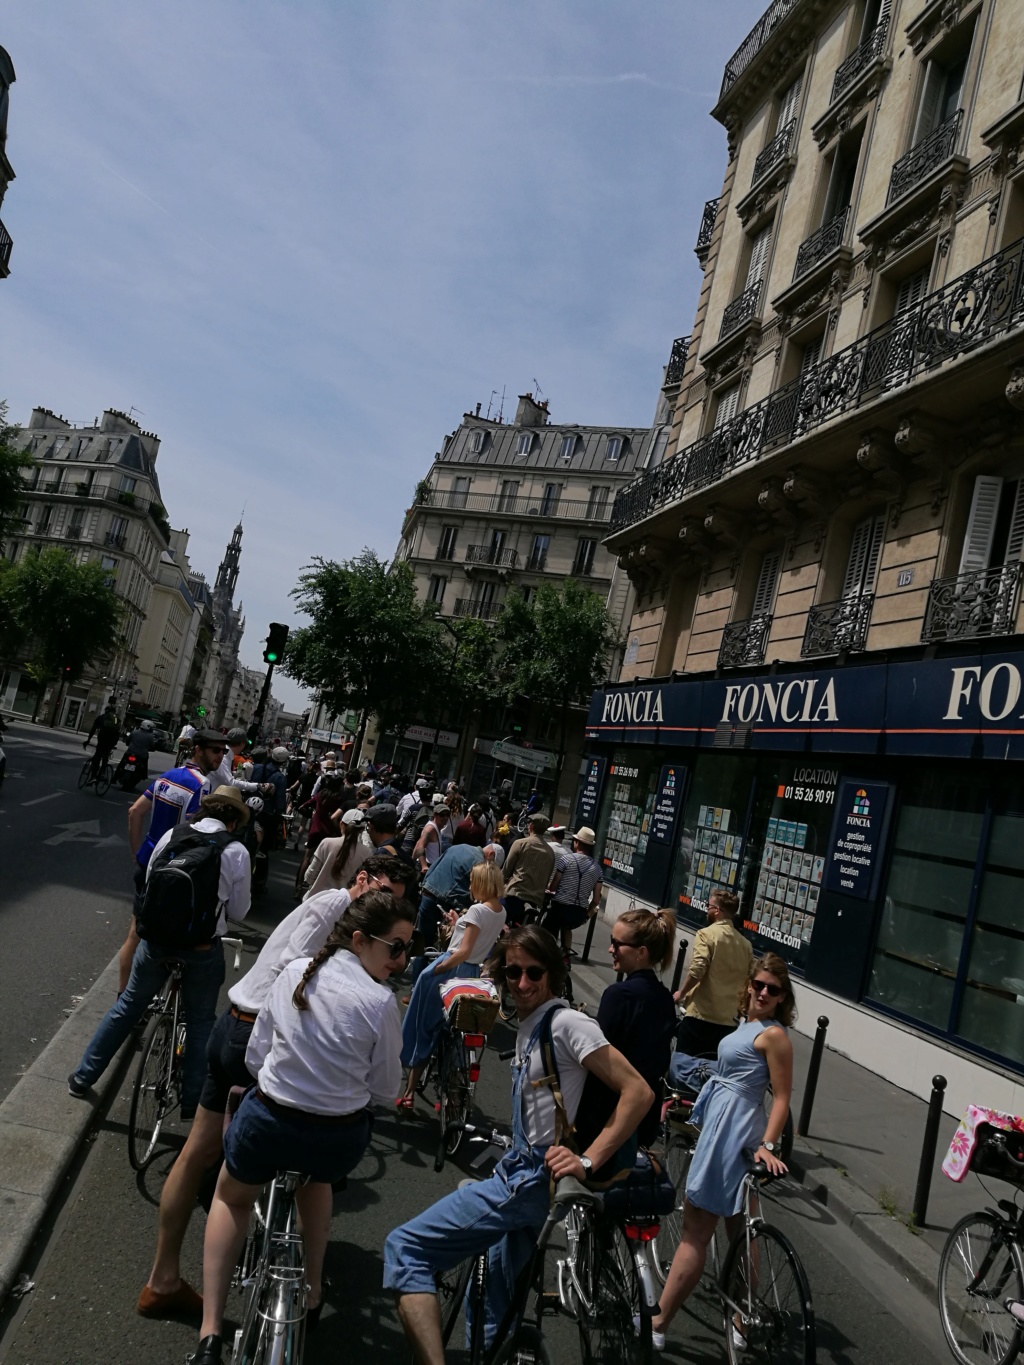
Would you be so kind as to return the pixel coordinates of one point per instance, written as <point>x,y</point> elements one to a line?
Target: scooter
<point>133,769</point>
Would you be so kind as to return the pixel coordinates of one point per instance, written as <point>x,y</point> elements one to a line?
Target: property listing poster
<point>717,851</point>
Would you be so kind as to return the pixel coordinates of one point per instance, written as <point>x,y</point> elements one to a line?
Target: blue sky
<point>302,238</point>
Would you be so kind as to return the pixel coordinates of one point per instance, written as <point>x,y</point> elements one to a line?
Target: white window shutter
<point>981,523</point>
<point>758,257</point>
<point>764,594</point>
<point>875,543</point>
<point>911,291</point>
<point>865,552</point>
<point>727,405</point>
<point>1015,540</point>
<point>811,355</point>
<point>790,100</point>
<point>931,100</point>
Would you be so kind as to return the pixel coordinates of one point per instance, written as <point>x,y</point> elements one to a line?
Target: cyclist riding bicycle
<point>107,730</point>
<point>503,1214</point>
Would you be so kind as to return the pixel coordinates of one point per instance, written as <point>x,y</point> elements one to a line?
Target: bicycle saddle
<point>761,1171</point>
<point>570,1191</point>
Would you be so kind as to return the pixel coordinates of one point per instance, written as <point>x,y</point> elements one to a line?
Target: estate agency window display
<point>624,829</point>
<point>711,847</point>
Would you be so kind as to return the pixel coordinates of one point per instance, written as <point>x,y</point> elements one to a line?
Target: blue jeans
<point>200,986</point>
<point>425,1015</point>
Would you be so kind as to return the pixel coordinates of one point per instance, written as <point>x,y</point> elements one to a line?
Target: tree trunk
<point>40,689</point>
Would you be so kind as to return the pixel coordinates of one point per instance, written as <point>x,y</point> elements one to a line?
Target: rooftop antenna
<point>537,389</point>
<point>501,410</point>
<point>490,403</point>
<point>133,408</point>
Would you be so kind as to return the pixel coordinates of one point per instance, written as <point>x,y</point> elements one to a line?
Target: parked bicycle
<point>101,780</point>
<point>272,1271</point>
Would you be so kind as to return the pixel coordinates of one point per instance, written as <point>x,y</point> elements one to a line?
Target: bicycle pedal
<point>549,1301</point>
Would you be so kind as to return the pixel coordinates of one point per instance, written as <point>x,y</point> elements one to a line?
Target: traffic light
<point>275,643</point>
<point>200,711</point>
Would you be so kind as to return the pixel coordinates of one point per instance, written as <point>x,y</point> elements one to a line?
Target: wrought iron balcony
<point>985,302</point>
<point>481,611</point>
<point>707,227</point>
<point>754,41</point>
<point>870,50</point>
<point>775,152</point>
<point>677,360</point>
<point>821,243</point>
<point>116,538</point>
<point>490,554</point>
<point>973,605</point>
<point>925,157</point>
<point>445,553</point>
<point>75,531</point>
<point>834,626</point>
<point>741,310</point>
<point>6,246</point>
<point>744,642</point>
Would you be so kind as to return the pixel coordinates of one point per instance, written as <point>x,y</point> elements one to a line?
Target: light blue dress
<point>729,1112</point>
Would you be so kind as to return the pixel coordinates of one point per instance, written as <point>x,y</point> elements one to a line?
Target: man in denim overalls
<point>505,1212</point>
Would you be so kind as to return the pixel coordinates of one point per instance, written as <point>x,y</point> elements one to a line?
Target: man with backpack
<point>107,731</point>
<point>196,879</point>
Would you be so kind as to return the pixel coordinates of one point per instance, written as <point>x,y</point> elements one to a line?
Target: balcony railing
<point>985,302</point>
<point>835,626</point>
<point>445,553</point>
<point>870,50</point>
<point>516,505</point>
<point>116,538</point>
<point>741,310</point>
<point>491,554</point>
<point>776,150</point>
<point>482,611</point>
<point>677,360</point>
<point>924,157</point>
<point>6,246</point>
<point>707,226</point>
<point>821,243</point>
<point>755,40</point>
<point>973,605</point>
<point>744,642</point>
<point>75,531</point>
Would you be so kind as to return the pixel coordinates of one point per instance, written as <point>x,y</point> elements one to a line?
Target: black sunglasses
<point>620,943</point>
<point>396,949</point>
<point>769,986</point>
<point>513,973</point>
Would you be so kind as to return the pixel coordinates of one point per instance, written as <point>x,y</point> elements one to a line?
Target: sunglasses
<point>769,986</point>
<point>513,973</point>
<point>396,949</point>
<point>619,943</point>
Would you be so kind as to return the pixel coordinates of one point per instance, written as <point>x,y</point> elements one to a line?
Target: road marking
<point>40,799</point>
<point>83,832</point>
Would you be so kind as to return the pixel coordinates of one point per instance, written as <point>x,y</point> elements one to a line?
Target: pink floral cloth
<point>961,1149</point>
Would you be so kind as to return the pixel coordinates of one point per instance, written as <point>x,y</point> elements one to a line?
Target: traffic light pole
<point>261,707</point>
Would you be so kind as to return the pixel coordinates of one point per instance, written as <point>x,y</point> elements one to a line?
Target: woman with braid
<point>325,1045</point>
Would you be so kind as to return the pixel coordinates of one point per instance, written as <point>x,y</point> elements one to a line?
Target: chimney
<point>530,413</point>
<point>477,412</point>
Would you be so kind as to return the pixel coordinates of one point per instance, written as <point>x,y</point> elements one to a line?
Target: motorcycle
<point>133,769</point>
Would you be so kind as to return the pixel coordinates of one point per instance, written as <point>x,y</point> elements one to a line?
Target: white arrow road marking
<point>110,839</point>
<point>40,799</point>
<point>83,830</point>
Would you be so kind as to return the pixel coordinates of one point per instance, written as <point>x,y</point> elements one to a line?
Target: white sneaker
<point>739,1341</point>
<point>657,1338</point>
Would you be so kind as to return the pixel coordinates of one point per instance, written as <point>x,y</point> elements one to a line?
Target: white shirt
<point>319,876</point>
<point>489,922</point>
<point>575,1036</point>
<point>433,847</point>
<point>408,804</point>
<point>301,934</point>
<point>338,1055</point>
<point>234,888</point>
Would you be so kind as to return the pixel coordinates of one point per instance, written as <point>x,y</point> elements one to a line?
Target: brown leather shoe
<point>182,1302</point>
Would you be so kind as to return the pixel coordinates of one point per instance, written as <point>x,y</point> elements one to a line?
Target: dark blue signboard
<point>855,849</point>
<point>590,792</point>
<point>666,803</point>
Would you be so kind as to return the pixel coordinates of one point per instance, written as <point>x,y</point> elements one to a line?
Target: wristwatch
<point>770,1147</point>
<point>588,1167</point>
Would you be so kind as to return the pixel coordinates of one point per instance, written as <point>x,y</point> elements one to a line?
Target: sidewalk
<point>862,1154</point>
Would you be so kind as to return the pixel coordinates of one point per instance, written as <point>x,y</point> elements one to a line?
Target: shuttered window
<point>759,257</point>
<point>788,104</point>
<point>727,405</point>
<point>1015,540</point>
<point>911,290</point>
<point>767,581</point>
<point>981,523</point>
<point>811,355</point>
<point>865,552</point>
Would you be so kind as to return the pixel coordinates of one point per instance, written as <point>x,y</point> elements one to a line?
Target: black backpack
<point>181,905</point>
<point>412,830</point>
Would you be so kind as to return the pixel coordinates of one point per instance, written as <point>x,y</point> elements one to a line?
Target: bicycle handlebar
<point>235,943</point>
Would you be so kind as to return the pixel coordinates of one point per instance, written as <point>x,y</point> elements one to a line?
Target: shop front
<point>871,821</point>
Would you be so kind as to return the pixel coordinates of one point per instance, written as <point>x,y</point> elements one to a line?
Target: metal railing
<point>821,243</point>
<point>490,554</point>
<point>834,626</point>
<point>924,157</point>
<point>707,226</point>
<point>985,302</point>
<point>754,41</point>
<point>870,50</point>
<point>677,360</point>
<point>75,531</point>
<point>973,605</point>
<point>776,150</point>
<point>445,553</point>
<point>116,538</point>
<point>741,310</point>
<point>6,246</point>
<point>516,505</point>
<point>482,611</point>
<point>745,642</point>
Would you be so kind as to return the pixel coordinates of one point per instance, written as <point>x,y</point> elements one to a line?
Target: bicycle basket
<point>999,1154</point>
<point>470,1004</point>
<point>647,1192</point>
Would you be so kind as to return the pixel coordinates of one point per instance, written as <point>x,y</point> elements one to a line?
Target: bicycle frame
<point>273,1327</point>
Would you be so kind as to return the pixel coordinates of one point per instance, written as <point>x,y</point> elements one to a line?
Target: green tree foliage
<point>13,465</point>
<point>371,644</point>
<point>63,614</point>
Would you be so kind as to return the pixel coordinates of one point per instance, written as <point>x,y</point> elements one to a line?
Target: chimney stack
<point>530,413</point>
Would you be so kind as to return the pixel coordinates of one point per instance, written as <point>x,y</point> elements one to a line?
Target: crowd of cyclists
<point>315,1037</point>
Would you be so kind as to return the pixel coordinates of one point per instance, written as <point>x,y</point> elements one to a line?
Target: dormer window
<point>525,443</point>
<point>476,441</point>
<point>568,447</point>
<point>59,443</point>
<point>613,449</point>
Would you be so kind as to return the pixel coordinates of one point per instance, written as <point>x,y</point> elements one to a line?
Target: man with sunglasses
<point>718,972</point>
<point>300,934</point>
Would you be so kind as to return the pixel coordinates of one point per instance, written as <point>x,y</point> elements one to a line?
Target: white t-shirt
<point>338,1055</point>
<point>489,922</point>
<point>575,1036</point>
<point>301,934</point>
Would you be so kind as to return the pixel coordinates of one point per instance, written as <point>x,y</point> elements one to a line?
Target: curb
<point>42,1127</point>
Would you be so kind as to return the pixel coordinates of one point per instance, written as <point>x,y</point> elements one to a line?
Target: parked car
<point>164,740</point>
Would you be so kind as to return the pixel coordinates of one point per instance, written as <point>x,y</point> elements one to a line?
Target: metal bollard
<point>677,974</point>
<point>931,1138</point>
<point>811,1084</point>
<point>590,938</point>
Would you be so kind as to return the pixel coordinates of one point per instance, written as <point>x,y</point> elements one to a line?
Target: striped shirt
<point>580,874</point>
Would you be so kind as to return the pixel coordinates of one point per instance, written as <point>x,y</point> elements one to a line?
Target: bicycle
<point>454,1069</point>
<point>157,1087</point>
<point>101,780</point>
<point>272,1268</point>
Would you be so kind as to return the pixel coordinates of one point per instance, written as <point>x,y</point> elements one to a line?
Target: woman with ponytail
<point>637,1015</point>
<point>336,861</point>
<point>325,1045</point>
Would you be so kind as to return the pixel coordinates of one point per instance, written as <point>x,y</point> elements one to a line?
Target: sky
<point>302,237</point>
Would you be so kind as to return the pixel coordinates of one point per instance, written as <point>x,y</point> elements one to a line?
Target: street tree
<point>14,464</point>
<point>555,650</point>
<point>64,614</point>
<point>370,643</point>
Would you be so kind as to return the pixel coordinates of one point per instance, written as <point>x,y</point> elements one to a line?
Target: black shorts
<point>562,916</point>
<point>225,1062</point>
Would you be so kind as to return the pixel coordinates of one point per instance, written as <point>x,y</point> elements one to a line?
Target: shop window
<point>995,525</point>
<point>626,809</point>
<point>710,850</point>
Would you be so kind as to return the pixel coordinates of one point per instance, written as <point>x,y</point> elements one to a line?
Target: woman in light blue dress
<point>730,1114</point>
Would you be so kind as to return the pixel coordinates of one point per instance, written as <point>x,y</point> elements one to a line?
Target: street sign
<point>532,760</point>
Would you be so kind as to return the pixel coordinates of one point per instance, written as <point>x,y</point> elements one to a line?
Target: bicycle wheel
<point>451,1294</point>
<point>527,1347</point>
<point>767,1301</point>
<point>980,1267</point>
<point>610,1297</point>
<point>151,1095</point>
<point>104,779</point>
<point>85,776</point>
<point>678,1155</point>
<point>453,1092</point>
